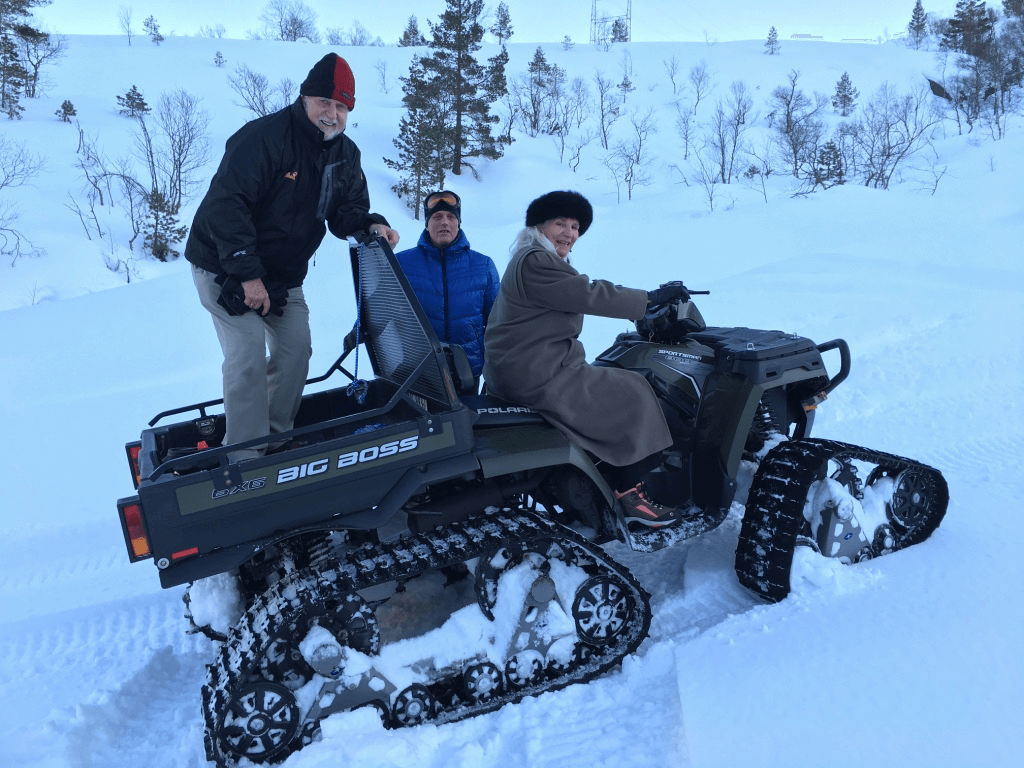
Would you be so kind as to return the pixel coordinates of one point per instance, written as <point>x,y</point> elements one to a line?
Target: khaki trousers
<point>261,392</point>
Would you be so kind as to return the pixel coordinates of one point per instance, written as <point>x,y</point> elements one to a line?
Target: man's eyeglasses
<point>449,198</point>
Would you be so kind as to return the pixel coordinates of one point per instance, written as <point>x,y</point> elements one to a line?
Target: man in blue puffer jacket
<point>455,285</point>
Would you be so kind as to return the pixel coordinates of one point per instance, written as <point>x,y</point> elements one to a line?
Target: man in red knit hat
<point>284,180</point>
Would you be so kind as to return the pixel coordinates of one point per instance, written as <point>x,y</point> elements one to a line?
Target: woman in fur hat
<point>533,356</point>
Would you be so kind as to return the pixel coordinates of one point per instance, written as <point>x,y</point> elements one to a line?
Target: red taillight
<point>135,531</point>
<point>133,450</point>
<point>185,553</point>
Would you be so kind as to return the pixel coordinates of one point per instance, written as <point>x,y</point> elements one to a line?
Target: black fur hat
<point>555,205</point>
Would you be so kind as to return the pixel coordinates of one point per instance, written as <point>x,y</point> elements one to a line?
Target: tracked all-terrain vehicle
<point>410,474</point>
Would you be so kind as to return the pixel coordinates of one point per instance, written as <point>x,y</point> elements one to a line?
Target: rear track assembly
<point>774,522</point>
<point>249,708</point>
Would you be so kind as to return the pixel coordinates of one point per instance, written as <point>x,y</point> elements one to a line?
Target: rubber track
<point>774,514</point>
<point>239,658</point>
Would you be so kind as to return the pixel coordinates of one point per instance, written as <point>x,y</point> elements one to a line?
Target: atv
<point>294,560</point>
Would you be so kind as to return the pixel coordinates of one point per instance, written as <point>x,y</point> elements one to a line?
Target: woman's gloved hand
<point>667,294</point>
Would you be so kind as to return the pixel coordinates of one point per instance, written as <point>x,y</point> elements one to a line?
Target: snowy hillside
<point>909,660</point>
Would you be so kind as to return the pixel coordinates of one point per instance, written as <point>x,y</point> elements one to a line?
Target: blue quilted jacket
<point>456,287</point>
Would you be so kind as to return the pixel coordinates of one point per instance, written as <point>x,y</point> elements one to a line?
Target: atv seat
<point>493,412</point>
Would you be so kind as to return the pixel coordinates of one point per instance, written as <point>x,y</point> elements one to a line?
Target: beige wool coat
<point>533,357</point>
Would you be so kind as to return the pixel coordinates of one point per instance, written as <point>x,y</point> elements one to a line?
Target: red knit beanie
<point>331,78</point>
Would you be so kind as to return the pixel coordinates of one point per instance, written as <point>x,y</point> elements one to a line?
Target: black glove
<point>232,295</point>
<point>668,293</point>
<point>278,294</point>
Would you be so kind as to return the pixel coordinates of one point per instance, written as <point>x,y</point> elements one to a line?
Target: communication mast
<point>608,24</point>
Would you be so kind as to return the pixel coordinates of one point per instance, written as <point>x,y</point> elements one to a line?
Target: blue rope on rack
<point>358,388</point>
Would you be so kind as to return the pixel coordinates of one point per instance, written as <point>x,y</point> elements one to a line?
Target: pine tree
<point>423,154</point>
<point>66,111</point>
<point>1014,8</point>
<point>412,35</point>
<point>567,43</point>
<point>917,29</point>
<point>620,31</point>
<point>132,104</point>
<point>153,30</point>
<point>771,45</point>
<point>12,79</point>
<point>502,27</point>
<point>971,30</point>
<point>452,64</point>
<point>162,229</point>
<point>828,166</point>
<point>626,87</point>
<point>15,25</point>
<point>219,59</point>
<point>845,97</point>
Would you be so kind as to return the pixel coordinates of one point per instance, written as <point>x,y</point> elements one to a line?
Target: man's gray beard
<point>331,133</point>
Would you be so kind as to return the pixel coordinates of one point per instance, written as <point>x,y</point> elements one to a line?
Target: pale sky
<point>533,21</point>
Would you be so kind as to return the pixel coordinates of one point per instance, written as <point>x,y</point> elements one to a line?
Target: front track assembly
<point>785,509</point>
<point>300,635</point>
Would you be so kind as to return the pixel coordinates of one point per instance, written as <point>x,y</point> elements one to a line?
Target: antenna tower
<point>611,26</point>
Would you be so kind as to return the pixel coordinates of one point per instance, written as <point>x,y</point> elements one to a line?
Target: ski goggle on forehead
<point>449,198</point>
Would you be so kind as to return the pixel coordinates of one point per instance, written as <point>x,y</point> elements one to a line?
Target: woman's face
<point>563,234</point>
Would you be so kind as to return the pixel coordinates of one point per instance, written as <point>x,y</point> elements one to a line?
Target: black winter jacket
<point>278,182</point>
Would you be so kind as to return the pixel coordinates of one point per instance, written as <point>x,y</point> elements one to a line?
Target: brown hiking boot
<point>638,507</point>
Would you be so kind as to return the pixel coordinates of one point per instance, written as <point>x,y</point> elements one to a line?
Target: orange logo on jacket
<point>293,175</point>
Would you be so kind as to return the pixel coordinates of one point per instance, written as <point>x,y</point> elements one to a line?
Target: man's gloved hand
<point>278,294</point>
<point>232,295</point>
<point>667,294</point>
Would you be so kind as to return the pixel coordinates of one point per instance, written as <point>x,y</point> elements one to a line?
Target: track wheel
<point>260,723</point>
<point>910,499</point>
<point>524,668</point>
<point>382,710</point>
<point>349,619</point>
<point>482,682</point>
<point>413,706</point>
<point>563,656</point>
<point>601,609</point>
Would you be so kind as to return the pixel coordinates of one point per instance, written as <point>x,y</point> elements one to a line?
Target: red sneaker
<point>638,507</point>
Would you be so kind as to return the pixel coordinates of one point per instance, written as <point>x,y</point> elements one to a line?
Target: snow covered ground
<point>910,660</point>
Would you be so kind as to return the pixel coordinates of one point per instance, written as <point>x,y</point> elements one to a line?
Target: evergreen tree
<point>567,43</point>
<point>537,93</point>
<point>423,154</point>
<point>620,31</point>
<point>454,70</point>
<point>66,111</point>
<point>502,27</point>
<point>1014,8</point>
<point>626,87</point>
<point>828,166</point>
<point>971,30</point>
<point>771,45</point>
<point>12,79</point>
<point>845,97</point>
<point>917,29</point>
<point>218,59</point>
<point>132,104</point>
<point>15,18</point>
<point>153,30</point>
<point>15,14</point>
<point>412,35</point>
<point>162,229</point>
